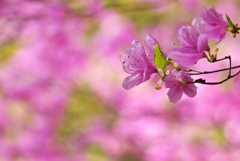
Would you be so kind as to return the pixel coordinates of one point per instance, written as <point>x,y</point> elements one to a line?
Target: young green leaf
<point>229,21</point>
<point>159,58</point>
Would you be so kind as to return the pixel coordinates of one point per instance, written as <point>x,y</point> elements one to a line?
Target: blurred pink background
<point>61,85</point>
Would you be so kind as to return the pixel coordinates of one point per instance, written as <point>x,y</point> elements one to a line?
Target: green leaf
<point>159,58</point>
<point>229,21</point>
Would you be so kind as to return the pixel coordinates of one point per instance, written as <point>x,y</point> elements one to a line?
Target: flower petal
<point>215,26</point>
<point>175,93</point>
<point>152,41</point>
<point>202,44</point>
<point>134,80</point>
<point>211,16</point>
<point>185,55</point>
<point>149,45</point>
<point>190,90</point>
<point>199,23</point>
<point>215,32</point>
<point>170,81</point>
<point>187,36</point>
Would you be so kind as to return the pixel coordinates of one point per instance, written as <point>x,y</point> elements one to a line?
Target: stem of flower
<point>160,75</point>
<point>226,57</point>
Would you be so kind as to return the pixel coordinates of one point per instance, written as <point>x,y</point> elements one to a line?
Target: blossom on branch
<point>193,45</point>
<point>194,39</point>
<point>215,26</point>
<point>176,81</point>
<point>138,61</point>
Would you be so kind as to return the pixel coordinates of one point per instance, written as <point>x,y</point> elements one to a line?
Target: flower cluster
<point>173,67</point>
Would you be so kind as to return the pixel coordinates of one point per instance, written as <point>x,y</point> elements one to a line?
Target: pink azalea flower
<point>215,26</point>
<point>185,56</point>
<point>193,44</point>
<point>138,61</point>
<point>177,88</point>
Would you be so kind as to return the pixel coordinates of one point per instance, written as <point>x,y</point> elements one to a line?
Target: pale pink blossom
<point>215,26</point>
<point>138,61</point>
<point>177,88</point>
<point>194,43</point>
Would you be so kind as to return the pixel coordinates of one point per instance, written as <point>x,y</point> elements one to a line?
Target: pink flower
<point>193,44</point>
<point>177,88</point>
<point>138,61</point>
<point>185,56</point>
<point>215,26</point>
<point>194,40</point>
<point>193,36</point>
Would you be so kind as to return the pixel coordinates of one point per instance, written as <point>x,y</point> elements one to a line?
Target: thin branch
<point>230,64</point>
<point>192,70</point>
<point>209,72</point>
<point>203,81</point>
<point>215,71</point>
<point>226,57</point>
